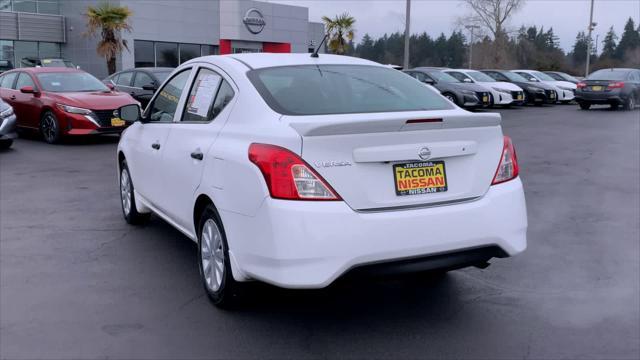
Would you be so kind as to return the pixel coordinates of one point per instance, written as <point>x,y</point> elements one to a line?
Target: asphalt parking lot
<point>77,282</point>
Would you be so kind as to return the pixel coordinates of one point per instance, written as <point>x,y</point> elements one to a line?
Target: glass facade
<point>31,6</point>
<point>167,54</point>
<point>18,53</point>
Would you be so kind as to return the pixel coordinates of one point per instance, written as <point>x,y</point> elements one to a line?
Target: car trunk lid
<point>356,153</point>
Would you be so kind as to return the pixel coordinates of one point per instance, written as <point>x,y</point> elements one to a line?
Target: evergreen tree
<point>580,47</point>
<point>609,44</point>
<point>629,41</point>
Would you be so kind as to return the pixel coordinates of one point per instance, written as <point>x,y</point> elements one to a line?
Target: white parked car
<point>295,170</point>
<point>502,93</point>
<point>566,90</point>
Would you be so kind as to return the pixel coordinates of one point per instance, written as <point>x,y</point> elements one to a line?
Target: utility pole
<point>592,25</point>
<point>471,28</point>
<point>406,35</point>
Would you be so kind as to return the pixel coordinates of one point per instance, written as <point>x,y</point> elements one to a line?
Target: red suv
<point>60,102</point>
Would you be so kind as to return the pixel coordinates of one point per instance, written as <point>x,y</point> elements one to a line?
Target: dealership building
<point>164,32</point>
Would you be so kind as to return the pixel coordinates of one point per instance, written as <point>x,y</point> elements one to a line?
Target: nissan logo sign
<point>424,153</point>
<point>254,21</point>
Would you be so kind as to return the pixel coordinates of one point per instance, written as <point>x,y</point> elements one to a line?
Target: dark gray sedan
<point>467,95</point>
<point>7,125</point>
<point>615,87</point>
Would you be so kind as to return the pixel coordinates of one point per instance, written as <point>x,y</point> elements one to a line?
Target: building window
<point>188,52</point>
<point>166,54</point>
<point>206,50</point>
<point>31,6</point>
<point>5,5</point>
<point>48,7</point>
<point>25,52</point>
<point>6,55</point>
<point>25,6</point>
<point>143,53</point>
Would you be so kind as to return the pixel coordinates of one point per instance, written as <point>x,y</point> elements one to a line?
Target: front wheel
<point>450,97</point>
<point>49,128</point>
<point>128,198</point>
<point>585,105</point>
<point>214,264</point>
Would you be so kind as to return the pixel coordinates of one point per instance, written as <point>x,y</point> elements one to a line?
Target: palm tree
<point>337,28</point>
<point>110,21</point>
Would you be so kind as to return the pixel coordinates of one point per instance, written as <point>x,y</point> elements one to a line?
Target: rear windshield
<point>609,75</point>
<point>342,89</point>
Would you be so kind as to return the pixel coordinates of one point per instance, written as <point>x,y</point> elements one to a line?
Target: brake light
<point>288,176</point>
<point>581,85</point>
<point>616,85</point>
<point>508,167</point>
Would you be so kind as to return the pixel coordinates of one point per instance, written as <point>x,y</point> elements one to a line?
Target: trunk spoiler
<point>344,124</point>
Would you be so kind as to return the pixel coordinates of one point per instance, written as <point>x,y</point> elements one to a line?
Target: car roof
<point>618,69</point>
<point>431,68</point>
<point>265,60</point>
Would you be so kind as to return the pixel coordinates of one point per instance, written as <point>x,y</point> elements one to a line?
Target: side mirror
<point>110,85</point>
<point>429,81</point>
<point>28,90</point>
<point>130,113</point>
<point>467,80</point>
<point>151,87</point>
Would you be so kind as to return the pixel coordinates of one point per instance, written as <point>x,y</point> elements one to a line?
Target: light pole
<point>592,25</point>
<point>406,35</point>
<point>471,28</point>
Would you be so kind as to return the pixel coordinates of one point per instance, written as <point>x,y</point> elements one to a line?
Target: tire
<point>50,128</point>
<point>614,106</point>
<point>585,105</point>
<point>213,261</point>
<point>5,144</point>
<point>128,198</point>
<point>451,98</point>
<point>630,104</point>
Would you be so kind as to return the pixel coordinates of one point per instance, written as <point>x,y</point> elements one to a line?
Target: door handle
<point>132,93</point>
<point>13,97</point>
<point>156,146</point>
<point>197,155</point>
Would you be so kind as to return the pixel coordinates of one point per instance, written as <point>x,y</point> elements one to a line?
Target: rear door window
<point>124,79</point>
<point>142,79</point>
<point>342,89</point>
<point>7,80</point>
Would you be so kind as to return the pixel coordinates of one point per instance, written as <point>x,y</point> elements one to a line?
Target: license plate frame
<point>437,186</point>
<point>597,88</point>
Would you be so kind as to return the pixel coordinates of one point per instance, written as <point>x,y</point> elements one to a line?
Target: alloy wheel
<point>212,255</point>
<point>125,191</point>
<point>49,128</point>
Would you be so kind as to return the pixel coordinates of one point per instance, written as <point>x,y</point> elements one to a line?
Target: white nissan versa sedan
<point>295,170</point>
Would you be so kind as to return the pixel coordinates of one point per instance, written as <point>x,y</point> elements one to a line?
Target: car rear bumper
<point>601,98</point>
<point>297,244</point>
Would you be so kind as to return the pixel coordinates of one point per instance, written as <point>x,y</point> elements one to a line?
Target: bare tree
<point>492,17</point>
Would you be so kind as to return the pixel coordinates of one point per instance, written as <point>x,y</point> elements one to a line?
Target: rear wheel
<point>630,104</point>
<point>214,264</point>
<point>128,198</point>
<point>49,128</point>
<point>585,105</point>
<point>5,144</point>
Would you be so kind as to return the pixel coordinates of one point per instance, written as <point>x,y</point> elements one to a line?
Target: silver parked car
<point>7,125</point>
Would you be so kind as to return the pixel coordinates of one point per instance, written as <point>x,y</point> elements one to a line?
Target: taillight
<point>288,176</point>
<point>581,85</point>
<point>616,85</point>
<point>508,167</point>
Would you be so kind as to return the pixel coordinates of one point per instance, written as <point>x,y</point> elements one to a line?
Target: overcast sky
<point>567,17</point>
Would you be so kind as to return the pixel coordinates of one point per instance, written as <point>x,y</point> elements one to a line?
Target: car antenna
<point>315,52</point>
